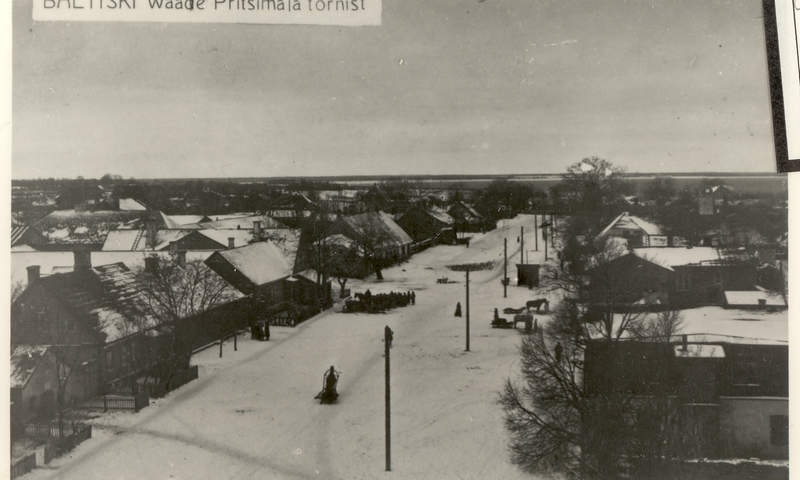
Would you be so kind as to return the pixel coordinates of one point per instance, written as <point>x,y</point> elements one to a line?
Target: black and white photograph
<point>399,239</point>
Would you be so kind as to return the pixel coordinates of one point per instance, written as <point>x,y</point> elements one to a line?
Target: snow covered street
<point>251,414</point>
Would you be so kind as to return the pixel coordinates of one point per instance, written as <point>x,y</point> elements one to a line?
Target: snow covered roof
<point>136,240</point>
<point>240,237</point>
<point>259,263</point>
<point>625,221</point>
<point>24,360</point>
<point>441,215</point>
<point>129,204</point>
<point>752,298</point>
<point>109,294</point>
<point>184,221</point>
<point>380,224</point>
<point>242,222</point>
<point>338,240</point>
<point>669,257</point>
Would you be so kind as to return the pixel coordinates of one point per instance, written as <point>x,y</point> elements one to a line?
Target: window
<point>779,430</point>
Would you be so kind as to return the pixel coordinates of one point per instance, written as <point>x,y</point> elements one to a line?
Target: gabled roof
<point>626,221</point>
<point>669,257</point>
<point>24,360</point>
<point>377,223</point>
<point>110,294</point>
<point>467,212</point>
<point>259,263</point>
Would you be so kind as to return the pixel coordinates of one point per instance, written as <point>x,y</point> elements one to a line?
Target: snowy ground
<point>251,414</point>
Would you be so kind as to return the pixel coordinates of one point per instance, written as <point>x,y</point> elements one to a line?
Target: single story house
<point>683,277</point>
<point>728,399</point>
<point>637,231</point>
<point>376,233</point>
<point>428,225</point>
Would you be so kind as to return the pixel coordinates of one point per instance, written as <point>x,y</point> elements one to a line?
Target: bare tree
<point>172,292</point>
<point>556,424</point>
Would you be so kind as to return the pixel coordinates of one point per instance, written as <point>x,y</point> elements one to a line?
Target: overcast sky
<point>444,86</point>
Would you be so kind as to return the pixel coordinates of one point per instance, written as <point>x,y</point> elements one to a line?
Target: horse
<point>537,304</point>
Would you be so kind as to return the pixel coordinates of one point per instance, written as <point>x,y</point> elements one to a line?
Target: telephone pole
<point>467,272</point>
<point>388,336</point>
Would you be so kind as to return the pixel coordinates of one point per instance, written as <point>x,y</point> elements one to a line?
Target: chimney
<point>257,229</point>
<point>231,242</point>
<point>83,260</point>
<point>33,273</point>
<point>151,264</point>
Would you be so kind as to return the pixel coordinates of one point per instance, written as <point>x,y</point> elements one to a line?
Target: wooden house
<point>669,276</point>
<point>729,398</point>
<point>377,232</point>
<point>429,225</point>
<point>262,270</point>
<point>93,323</point>
<point>637,231</point>
<point>466,218</point>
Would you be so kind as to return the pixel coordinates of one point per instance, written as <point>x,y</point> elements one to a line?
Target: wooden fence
<point>54,429</point>
<point>23,465</point>
<point>134,402</point>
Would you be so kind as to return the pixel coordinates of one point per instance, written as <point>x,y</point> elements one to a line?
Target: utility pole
<point>467,272</point>
<point>536,231</point>
<point>388,336</point>
<point>505,268</point>
<point>522,245</point>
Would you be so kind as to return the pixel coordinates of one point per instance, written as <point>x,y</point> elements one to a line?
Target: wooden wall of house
<point>39,318</point>
<point>419,225</point>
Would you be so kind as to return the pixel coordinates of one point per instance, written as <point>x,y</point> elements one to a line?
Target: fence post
<point>105,403</point>
<point>220,347</point>
<point>235,343</point>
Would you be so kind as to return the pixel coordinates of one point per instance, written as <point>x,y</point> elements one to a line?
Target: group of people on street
<point>380,302</point>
